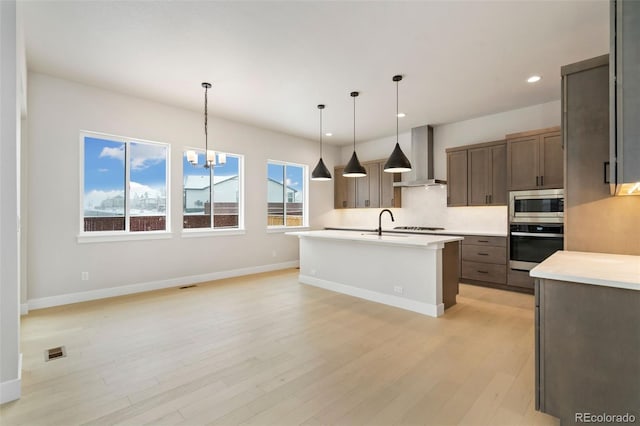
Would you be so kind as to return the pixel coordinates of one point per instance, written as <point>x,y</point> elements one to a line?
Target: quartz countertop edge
<point>368,236</point>
<point>603,269</point>
<point>409,231</point>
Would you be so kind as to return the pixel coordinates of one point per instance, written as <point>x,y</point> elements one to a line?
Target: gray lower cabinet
<point>484,260</point>
<point>587,347</point>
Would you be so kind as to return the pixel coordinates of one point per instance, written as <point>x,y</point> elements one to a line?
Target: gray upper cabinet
<point>625,96</point>
<point>535,160</point>
<point>611,221</point>
<point>487,175</point>
<point>375,190</point>
<point>457,178</point>
<point>476,175</point>
<point>344,190</point>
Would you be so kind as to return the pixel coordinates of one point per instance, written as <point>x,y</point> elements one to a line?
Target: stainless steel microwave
<point>536,206</point>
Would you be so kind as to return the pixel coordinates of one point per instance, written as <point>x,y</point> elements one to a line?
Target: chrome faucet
<point>380,220</point>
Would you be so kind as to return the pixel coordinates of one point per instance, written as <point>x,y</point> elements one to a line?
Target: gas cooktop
<point>419,228</point>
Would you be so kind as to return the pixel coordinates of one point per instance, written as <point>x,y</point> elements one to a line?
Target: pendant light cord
<point>206,136</point>
<point>397,118</point>
<point>320,133</point>
<point>354,124</point>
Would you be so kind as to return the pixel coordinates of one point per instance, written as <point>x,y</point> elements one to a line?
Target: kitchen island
<point>588,335</point>
<point>414,272</point>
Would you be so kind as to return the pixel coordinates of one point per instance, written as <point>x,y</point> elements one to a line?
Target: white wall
<point>59,109</point>
<point>10,107</point>
<point>428,206</point>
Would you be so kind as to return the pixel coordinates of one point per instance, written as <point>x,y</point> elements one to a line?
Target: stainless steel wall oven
<point>530,244</point>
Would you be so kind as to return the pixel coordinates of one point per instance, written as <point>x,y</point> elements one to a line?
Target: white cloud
<point>92,199</point>
<point>145,155</point>
<point>117,153</point>
<point>103,170</point>
<point>137,189</point>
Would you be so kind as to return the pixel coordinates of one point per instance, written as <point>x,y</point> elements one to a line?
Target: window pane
<point>196,207</point>
<point>275,194</point>
<point>295,195</point>
<point>147,187</point>
<point>226,192</point>
<point>104,183</point>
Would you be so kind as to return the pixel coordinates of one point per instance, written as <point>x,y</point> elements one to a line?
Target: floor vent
<point>187,286</point>
<point>55,353</point>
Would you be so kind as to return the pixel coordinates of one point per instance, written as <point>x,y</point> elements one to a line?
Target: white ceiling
<point>271,63</point>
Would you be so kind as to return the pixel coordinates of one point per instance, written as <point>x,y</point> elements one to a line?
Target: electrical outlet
<point>398,289</point>
<point>84,276</point>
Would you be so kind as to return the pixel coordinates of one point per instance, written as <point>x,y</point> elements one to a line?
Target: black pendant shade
<point>321,172</point>
<point>397,162</point>
<point>353,167</point>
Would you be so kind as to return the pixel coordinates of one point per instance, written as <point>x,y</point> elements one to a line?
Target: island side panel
<point>375,271</point>
<point>588,349</point>
<point>450,273</point>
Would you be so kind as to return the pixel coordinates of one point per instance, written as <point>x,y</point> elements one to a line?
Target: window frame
<point>126,234</point>
<point>305,189</point>
<point>211,230</point>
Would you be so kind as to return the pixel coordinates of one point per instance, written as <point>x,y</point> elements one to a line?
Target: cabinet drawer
<point>479,240</point>
<point>520,279</point>
<point>485,254</point>
<point>484,272</point>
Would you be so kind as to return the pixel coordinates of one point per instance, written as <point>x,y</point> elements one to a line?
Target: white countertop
<point>443,232</point>
<point>372,237</point>
<point>611,270</point>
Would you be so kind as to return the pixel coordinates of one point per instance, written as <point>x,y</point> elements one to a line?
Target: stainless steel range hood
<point>421,159</point>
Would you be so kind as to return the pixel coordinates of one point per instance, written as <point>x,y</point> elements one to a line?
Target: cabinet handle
<point>606,172</point>
<point>392,203</point>
<point>483,272</point>
<point>537,180</point>
<point>366,203</point>
<point>483,241</point>
<point>483,254</point>
<point>541,180</point>
<point>344,204</point>
<point>486,199</point>
<point>490,198</point>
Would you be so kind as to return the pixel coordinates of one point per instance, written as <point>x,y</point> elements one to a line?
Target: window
<point>197,192</point>
<point>286,194</point>
<point>125,184</point>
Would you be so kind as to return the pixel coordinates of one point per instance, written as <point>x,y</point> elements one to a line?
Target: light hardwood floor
<point>264,349</point>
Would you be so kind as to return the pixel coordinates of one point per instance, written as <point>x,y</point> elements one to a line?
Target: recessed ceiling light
<point>328,134</point>
<point>534,78</point>
<point>401,114</point>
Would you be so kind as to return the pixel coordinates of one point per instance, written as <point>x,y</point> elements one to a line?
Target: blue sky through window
<point>294,175</point>
<point>104,176</point>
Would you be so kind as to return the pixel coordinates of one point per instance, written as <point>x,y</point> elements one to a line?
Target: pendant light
<point>210,156</point>
<point>397,162</point>
<point>353,167</point>
<point>321,172</point>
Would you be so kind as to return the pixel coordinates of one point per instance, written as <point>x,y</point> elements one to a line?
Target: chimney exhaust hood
<point>421,160</point>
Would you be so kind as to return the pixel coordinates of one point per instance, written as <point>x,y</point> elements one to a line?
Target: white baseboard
<point>24,308</point>
<point>374,296</point>
<point>65,299</point>
<point>10,390</point>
